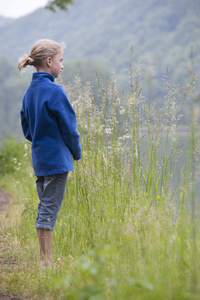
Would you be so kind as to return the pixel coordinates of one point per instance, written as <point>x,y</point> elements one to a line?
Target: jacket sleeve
<point>66,117</point>
<point>25,126</point>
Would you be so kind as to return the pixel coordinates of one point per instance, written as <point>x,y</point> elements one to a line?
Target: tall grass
<point>124,230</point>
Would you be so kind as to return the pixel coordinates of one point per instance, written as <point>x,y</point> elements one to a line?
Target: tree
<point>61,4</point>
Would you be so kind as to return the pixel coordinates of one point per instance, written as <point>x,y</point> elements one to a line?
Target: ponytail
<point>25,61</point>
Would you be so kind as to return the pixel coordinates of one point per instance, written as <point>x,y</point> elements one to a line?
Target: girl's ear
<point>48,61</point>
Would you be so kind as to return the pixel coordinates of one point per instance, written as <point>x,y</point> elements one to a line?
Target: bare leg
<point>45,239</point>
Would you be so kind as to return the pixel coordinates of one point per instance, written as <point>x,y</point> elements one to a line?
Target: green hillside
<point>161,31</point>
<point>98,36</point>
<point>12,88</point>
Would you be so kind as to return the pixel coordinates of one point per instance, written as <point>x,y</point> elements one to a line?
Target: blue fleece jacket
<point>49,122</point>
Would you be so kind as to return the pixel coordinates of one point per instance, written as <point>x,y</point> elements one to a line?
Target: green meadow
<point>128,227</point>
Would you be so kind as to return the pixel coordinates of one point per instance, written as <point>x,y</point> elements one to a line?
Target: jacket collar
<point>37,76</point>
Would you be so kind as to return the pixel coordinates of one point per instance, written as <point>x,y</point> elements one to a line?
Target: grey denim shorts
<point>51,191</point>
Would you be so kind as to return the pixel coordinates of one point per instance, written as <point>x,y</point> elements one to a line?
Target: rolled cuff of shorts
<point>51,228</point>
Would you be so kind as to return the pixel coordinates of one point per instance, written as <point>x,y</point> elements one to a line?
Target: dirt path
<point>4,206</point>
<point>8,298</point>
<point>4,200</point>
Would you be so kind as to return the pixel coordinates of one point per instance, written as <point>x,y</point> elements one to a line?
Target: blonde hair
<point>40,50</point>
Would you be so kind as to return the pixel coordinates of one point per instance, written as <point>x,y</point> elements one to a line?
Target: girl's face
<point>55,64</point>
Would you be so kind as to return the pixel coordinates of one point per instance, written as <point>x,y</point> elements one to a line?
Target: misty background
<point>165,35</point>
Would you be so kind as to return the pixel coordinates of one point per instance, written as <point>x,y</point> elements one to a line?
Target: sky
<point>19,8</point>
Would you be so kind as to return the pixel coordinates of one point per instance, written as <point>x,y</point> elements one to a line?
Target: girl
<point>49,122</point>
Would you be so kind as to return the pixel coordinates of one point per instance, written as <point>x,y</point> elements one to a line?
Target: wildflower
<point>14,160</point>
<point>122,110</point>
<point>25,146</point>
<point>108,130</point>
